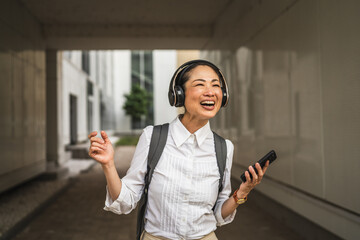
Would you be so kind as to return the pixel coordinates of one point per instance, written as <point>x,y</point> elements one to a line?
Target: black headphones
<point>176,93</point>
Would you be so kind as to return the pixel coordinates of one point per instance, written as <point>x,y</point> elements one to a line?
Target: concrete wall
<point>294,87</point>
<point>22,93</point>
<point>186,55</point>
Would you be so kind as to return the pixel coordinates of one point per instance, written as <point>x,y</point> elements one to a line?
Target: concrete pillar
<point>55,150</point>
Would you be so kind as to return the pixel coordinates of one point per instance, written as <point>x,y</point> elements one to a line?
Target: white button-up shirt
<point>184,186</point>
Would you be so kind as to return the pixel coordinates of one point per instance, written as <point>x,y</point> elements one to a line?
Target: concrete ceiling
<point>143,24</point>
<point>163,12</point>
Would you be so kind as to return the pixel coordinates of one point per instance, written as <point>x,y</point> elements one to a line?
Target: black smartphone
<point>271,156</point>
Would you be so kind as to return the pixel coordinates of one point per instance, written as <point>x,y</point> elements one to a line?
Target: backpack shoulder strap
<point>221,153</point>
<point>157,144</point>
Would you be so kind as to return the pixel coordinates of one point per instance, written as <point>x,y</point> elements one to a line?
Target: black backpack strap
<point>155,151</point>
<point>221,152</point>
<point>157,144</point>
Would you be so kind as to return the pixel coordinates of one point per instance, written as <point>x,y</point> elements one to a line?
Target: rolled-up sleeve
<point>226,191</point>
<point>133,182</point>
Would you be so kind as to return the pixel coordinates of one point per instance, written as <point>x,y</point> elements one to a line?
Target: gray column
<point>55,150</point>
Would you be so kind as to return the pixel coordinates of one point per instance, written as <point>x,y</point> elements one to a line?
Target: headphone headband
<point>175,92</point>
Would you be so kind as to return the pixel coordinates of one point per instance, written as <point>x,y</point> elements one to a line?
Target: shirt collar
<point>180,134</point>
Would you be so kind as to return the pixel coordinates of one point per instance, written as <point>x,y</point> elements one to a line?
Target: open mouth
<point>208,103</point>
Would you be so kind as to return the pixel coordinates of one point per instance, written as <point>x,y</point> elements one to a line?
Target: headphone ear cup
<point>180,96</point>
<point>171,97</point>
<point>224,97</point>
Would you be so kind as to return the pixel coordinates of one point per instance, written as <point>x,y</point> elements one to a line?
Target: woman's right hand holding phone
<point>101,150</point>
<point>246,187</point>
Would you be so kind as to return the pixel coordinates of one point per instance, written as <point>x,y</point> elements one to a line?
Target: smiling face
<point>203,94</point>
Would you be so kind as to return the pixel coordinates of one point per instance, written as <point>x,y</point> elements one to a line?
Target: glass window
<point>85,62</point>
<point>142,74</point>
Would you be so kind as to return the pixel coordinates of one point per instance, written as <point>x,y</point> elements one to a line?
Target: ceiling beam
<point>126,30</point>
<point>110,43</point>
<point>126,36</point>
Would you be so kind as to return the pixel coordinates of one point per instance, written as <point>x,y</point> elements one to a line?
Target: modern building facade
<point>94,85</point>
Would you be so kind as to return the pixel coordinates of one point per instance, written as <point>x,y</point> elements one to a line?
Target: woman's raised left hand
<point>246,187</point>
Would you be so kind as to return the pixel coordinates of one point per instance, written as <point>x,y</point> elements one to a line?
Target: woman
<point>183,197</point>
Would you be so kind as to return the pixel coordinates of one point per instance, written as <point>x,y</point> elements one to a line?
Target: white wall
<point>122,85</point>
<point>165,64</point>
<point>74,82</point>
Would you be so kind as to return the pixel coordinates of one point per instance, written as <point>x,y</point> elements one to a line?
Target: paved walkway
<point>77,214</point>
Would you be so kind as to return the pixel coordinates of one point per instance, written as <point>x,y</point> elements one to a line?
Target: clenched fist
<point>101,150</point>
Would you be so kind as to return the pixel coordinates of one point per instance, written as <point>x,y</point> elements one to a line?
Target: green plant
<point>137,102</point>
<point>127,140</point>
